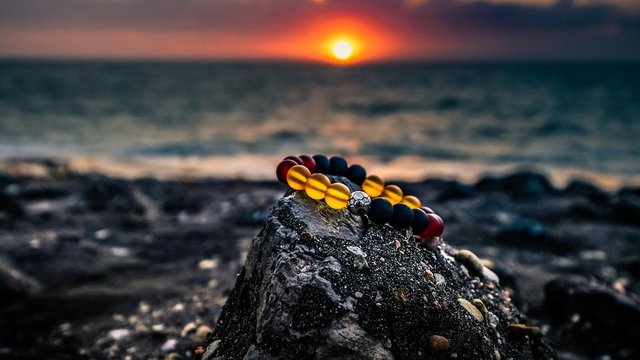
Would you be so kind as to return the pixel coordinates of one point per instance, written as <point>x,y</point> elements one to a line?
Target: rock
<point>455,190</point>
<point>489,183</point>
<point>587,190</point>
<point>521,185</point>
<point>588,310</point>
<point>103,193</point>
<point>296,299</point>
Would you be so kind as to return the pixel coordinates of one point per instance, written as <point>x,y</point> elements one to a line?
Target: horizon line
<point>284,61</point>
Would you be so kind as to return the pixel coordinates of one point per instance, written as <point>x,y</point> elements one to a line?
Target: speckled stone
<point>294,298</point>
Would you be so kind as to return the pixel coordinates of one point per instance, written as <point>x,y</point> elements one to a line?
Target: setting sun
<point>342,50</point>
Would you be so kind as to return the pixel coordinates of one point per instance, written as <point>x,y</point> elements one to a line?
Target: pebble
<point>470,260</point>
<point>438,342</point>
<point>493,320</point>
<point>208,264</point>
<point>355,250</point>
<point>471,309</point>
<point>169,345</point>
<point>188,329</point>
<point>360,263</point>
<point>480,305</point>
<point>522,330</point>
<point>199,351</point>
<point>306,237</point>
<point>487,263</point>
<point>440,281</point>
<point>619,287</point>
<point>358,294</point>
<point>118,334</point>
<point>490,276</point>
<point>401,296</point>
<point>200,336</point>
<point>143,308</point>
<point>119,251</point>
<point>102,234</point>
<point>593,255</point>
<point>141,329</point>
<point>173,356</point>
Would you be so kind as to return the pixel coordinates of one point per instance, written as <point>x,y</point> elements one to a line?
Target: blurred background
<point>139,139</point>
<point>455,88</point>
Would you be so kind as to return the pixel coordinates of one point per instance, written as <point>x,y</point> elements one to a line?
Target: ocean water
<point>451,119</point>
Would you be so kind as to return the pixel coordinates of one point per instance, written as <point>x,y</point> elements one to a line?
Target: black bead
<point>357,174</point>
<point>380,210</point>
<point>322,163</point>
<point>420,221</point>
<point>338,166</point>
<point>402,216</point>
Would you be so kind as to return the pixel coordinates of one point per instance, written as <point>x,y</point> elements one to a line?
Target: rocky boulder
<point>321,283</point>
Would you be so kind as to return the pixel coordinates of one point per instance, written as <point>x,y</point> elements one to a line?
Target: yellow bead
<point>337,196</point>
<point>373,185</point>
<point>317,185</point>
<point>297,177</point>
<point>411,201</point>
<point>393,193</point>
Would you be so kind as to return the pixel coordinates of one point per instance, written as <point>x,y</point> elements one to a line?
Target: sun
<point>342,50</point>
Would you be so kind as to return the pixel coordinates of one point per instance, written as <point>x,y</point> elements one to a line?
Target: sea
<point>406,121</point>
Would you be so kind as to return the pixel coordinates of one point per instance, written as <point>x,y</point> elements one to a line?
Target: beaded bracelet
<point>389,205</point>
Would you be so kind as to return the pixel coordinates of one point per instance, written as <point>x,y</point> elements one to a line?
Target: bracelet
<point>382,203</point>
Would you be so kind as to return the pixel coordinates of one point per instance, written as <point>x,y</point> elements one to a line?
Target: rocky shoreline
<point>97,267</point>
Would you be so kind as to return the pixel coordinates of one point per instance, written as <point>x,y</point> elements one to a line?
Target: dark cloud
<point>475,28</point>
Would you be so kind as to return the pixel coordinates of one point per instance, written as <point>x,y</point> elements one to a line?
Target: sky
<point>379,30</point>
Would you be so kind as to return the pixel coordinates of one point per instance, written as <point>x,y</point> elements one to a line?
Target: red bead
<point>427,210</point>
<point>283,169</point>
<point>295,158</point>
<point>435,227</point>
<point>308,162</point>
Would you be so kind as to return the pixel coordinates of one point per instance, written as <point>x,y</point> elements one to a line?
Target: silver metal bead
<point>359,203</point>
